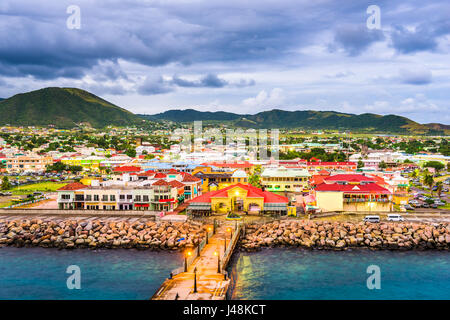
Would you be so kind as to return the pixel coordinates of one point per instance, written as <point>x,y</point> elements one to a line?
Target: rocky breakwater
<point>100,234</point>
<point>344,235</point>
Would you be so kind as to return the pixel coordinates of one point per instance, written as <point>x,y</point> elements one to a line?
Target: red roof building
<point>127,169</point>
<point>238,197</point>
<point>73,187</point>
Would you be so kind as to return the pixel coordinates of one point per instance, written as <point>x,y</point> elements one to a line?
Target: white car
<point>395,217</point>
<point>374,219</point>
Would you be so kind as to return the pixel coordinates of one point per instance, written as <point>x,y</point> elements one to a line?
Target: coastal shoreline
<point>71,234</point>
<point>177,236</point>
<point>325,235</point>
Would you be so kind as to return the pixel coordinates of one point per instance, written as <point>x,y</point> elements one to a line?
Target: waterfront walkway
<point>211,284</point>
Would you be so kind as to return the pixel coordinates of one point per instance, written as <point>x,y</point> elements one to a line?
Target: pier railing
<point>230,245</point>
<point>194,254</point>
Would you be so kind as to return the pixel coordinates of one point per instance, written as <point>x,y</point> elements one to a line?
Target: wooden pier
<point>203,277</point>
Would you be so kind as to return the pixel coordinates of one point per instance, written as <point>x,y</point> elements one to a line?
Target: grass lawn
<point>43,186</point>
<point>5,204</point>
<point>447,206</point>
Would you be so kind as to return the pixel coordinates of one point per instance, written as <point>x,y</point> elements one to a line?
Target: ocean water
<point>292,274</point>
<point>40,273</point>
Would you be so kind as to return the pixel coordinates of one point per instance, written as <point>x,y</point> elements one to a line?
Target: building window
<point>96,197</point>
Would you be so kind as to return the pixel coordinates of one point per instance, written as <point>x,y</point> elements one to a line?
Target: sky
<point>236,56</point>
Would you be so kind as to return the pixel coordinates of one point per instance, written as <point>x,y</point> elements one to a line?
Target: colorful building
<point>238,198</point>
<point>352,192</point>
<point>283,179</point>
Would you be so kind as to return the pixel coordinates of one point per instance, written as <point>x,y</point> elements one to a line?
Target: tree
<point>254,180</point>
<point>382,165</point>
<point>360,164</point>
<point>437,165</point>
<point>439,187</point>
<point>6,185</point>
<point>428,181</point>
<point>131,152</point>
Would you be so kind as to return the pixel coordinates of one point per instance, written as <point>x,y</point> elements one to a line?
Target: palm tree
<point>439,187</point>
<point>429,181</point>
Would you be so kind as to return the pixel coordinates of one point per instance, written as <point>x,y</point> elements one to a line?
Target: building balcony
<point>65,200</point>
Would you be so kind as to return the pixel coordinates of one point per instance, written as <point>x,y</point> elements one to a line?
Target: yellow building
<point>282,179</point>
<point>238,198</point>
<point>217,179</point>
<point>365,197</point>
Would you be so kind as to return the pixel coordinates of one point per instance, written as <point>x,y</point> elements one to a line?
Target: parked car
<point>439,203</point>
<point>434,205</point>
<point>373,219</point>
<point>408,207</point>
<point>395,217</point>
<point>426,205</point>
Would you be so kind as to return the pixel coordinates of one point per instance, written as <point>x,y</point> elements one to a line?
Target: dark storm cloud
<point>355,39</point>
<point>423,38</point>
<point>210,81</point>
<point>34,39</point>
<point>154,85</point>
<point>416,76</point>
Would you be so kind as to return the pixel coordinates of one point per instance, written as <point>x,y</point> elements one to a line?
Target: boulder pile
<point>344,235</point>
<point>100,234</point>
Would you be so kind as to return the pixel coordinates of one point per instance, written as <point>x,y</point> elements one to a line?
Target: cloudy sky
<point>238,56</point>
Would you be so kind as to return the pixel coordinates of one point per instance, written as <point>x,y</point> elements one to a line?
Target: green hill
<point>307,119</point>
<point>190,115</point>
<point>63,107</point>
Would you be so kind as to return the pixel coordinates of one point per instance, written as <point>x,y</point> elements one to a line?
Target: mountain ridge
<point>63,107</point>
<point>307,119</point>
<point>69,107</point>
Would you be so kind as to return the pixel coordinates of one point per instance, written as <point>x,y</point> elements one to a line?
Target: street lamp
<point>195,280</point>
<point>207,234</point>
<point>188,254</point>
<point>218,261</point>
<point>231,233</point>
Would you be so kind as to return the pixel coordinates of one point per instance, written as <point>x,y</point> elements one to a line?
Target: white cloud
<point>264,99</point>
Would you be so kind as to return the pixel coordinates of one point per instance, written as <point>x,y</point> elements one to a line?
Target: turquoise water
<point>39,273</point>
<point>289,274</point>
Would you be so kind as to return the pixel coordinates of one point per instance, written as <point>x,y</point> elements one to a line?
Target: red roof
<point>73,186</point>
<point>349,178</point>
<point>323,172</point>
<point>160,175</point>
<point>127,169</point>
<point>353,188</point>
<point>173,171</point>
<point>321,163</point>
<point>161,183</point>
<point>176,184</point>
<point>245,164</point>
<point>190,178</point>
<point>252,192</point>
<point>148,173</point>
